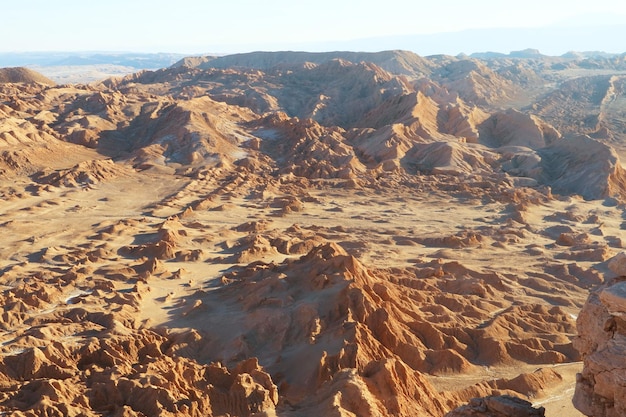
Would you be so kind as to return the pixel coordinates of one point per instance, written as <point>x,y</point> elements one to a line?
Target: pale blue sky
<point>195,26</point>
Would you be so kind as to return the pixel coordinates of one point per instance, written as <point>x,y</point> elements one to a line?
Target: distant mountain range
<point>137,61</point>
<point>56,59</point>
<point>552,41</point>
<point>596,38</point>
<point>566,42</point>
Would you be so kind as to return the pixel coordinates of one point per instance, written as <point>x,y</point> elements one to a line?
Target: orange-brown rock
<point>313,234</point>
<point>600,388</point>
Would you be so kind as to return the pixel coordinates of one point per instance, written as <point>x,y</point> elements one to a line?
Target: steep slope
<point>189,132</point>
<point>335,92</point>
<point>23,75</point>
<point>584,166</point>
<point>326,339</point>
<point>306,149</point>
<point>514,128</point>
<point>476,83</point>
<point>602,343</point>
<point>591,105</point>
<point>338,93</point>
<point>28,143</point>
<point>450,158</point>
<point>413,110</point>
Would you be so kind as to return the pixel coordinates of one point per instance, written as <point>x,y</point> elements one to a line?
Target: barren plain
<point>303,234</point>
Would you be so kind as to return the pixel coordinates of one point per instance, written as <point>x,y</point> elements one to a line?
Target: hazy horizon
<point>195,27</point>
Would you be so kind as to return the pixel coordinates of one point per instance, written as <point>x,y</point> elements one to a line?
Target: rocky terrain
<point>303,234</point>
<point>600,387</point>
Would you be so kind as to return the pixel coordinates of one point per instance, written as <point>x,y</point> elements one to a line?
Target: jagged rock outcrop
<point>307,149</point>
<point>323,308</point>
<point>601,387</point>
<point>130,374</point>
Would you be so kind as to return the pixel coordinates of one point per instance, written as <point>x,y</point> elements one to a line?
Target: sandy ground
<point>380,229</point>
<point>556,399</point>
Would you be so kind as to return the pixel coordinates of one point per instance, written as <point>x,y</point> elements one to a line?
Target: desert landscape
<point>316,234</point>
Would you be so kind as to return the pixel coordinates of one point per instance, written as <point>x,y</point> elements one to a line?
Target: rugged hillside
<point>397,62</point>
<point>22,75</point>
<point>306,234</point>
<point>599,388</point>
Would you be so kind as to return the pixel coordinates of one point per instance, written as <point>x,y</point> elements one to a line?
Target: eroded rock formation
<point>601,388</point>
<point>304,234</point>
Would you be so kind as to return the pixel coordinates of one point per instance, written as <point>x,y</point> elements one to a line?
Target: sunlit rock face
<point>601,387</point>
